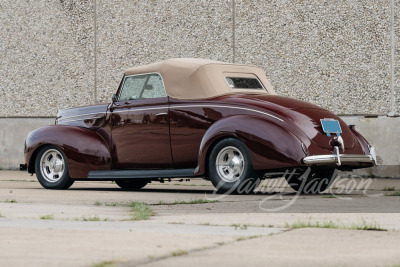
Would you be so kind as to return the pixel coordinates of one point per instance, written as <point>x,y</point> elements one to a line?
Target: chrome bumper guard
<point>339,159</point>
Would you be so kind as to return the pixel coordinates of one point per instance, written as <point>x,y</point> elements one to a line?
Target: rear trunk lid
<point>308,120</point>
<point>305,116</point>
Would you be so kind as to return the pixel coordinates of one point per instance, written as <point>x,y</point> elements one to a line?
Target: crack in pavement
<point>188,252</point>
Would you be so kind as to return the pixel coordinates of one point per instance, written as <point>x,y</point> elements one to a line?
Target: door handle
<point>162,114</point>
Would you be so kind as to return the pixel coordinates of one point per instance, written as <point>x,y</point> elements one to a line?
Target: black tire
<point>133,184</point>
<point>234,173</point>
<point>312,181</point>
<point>51,168</point>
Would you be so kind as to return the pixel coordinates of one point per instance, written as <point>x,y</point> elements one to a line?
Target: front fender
<point>270,145</point>
<point>84,149</point>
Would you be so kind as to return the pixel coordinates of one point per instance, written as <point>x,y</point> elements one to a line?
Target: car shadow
<point>180,191</point>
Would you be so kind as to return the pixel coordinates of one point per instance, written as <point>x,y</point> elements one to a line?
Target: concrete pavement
<point>91,224</point>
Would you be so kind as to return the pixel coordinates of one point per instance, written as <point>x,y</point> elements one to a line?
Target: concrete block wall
<point>47,56</point>
<point>341,55</point>
<point>333,53</point>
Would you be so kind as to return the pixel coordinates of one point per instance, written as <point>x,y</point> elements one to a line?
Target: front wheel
<point>52,168</point>
<point>230,168</point>
<point>312,181</point>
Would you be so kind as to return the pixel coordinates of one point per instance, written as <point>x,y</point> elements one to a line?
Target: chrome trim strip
<point>79,119</point>
<point>201,106</point>
<point>223,106</point>
<point>175,107</point>
<point>326,159</point>
<point>86,114</point>
<point>138,109</point>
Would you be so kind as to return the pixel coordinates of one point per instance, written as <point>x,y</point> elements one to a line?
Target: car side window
<point>142,87</point>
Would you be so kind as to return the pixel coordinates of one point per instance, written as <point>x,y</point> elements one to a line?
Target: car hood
<point>297,114</point>
<point>87,116</point>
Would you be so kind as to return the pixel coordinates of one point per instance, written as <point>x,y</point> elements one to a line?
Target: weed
<point>1,215</point>
<point>240,226</point>
<point>332,225</point>
<point>391,188</point>
<point>141,211</point>
<point>329,196</point>
<point>247,237</point>
<point>366,226</point>
<point>91,219</point>
<point>113,204</point>
<point>178,253</point>
<point>47,217</point>
<point>397,194</point>
<point>309,224</point>
<point>10,201</point>
<point>199,201</point>
<point>105,264</point>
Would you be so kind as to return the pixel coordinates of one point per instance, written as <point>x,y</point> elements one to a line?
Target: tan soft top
<point>192,78</point>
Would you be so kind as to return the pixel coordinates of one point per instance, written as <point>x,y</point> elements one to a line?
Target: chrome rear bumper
<point>339,159</point>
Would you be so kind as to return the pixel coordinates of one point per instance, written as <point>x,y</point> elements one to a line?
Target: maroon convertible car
<point>196,118</point>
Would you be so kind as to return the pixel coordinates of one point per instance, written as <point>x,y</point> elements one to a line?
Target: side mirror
<point>114,98</point>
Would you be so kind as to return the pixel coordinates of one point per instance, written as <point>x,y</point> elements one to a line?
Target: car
<point>196,118</point>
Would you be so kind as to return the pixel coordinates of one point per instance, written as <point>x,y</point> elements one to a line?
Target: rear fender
<point>270,145</point>
<point>84,149</point>
<point>361,140</point>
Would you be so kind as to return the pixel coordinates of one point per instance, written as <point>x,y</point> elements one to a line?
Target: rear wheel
<point>312,181</point>
<point>52,168</point>
<point>230,168</point>
<point>134,184</point>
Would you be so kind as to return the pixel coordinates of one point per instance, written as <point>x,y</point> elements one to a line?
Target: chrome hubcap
<point>52,165</point>
<point>230,164</point>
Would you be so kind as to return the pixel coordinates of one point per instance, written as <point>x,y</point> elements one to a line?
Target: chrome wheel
<point>230,169</point>
<point>52,165</point>
<point>230,164</point>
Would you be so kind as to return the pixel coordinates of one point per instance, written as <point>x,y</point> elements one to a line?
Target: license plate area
<point>331,126</point>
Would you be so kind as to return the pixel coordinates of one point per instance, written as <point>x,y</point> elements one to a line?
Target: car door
<point>140,124</point>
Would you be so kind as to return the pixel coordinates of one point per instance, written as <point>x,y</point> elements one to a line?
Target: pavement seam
<point>188,252</point>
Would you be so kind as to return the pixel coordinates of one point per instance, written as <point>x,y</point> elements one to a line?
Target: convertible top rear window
<point>244,83</point>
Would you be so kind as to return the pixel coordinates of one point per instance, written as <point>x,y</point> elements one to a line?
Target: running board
<point>134,174</point>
